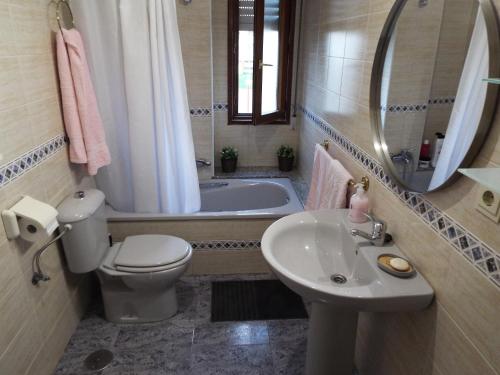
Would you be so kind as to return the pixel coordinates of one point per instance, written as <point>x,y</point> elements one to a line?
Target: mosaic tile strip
<point>405,108</point>
<point>220,107</point>
<point>484,258</point>
<point>226,245</point>
<point>14,169</point>
<point>200,112</point>
<point>207,112</point>
<point>420,107</point>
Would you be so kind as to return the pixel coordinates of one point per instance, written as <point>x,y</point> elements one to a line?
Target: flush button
<point>79,194</point>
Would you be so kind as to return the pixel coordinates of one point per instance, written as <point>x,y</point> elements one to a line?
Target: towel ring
<point>58,5</point>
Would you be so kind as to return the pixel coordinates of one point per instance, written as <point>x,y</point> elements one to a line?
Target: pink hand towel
<point>81,114</point>
<point>329,182</point>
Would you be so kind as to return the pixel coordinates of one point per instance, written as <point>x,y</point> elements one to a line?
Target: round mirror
<point>431,107</point>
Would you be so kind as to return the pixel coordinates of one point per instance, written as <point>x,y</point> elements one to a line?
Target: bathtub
<point>267,198</point>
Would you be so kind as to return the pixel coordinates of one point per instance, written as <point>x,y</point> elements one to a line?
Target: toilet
<point>137,276</point>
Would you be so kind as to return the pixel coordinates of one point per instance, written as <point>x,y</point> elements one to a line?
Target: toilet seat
<point>149,253</point>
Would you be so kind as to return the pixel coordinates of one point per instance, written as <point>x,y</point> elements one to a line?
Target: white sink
<point>305,250</point>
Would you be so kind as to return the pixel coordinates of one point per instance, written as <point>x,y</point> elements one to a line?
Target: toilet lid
<point>151,251</point>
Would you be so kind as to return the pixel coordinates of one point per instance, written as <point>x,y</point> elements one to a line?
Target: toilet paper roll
<point>32,231</point>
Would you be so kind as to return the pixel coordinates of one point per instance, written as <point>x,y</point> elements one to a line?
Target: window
<point>260,54</point>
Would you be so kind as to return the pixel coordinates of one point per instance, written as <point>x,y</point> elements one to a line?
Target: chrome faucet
<point>378,236</point>
<point>404,156</point>
<point>203,163</point>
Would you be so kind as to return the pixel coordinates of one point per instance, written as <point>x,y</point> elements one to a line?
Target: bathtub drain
<point>337,278</point>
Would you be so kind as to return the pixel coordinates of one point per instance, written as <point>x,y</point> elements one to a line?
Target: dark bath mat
<point>254,300</point>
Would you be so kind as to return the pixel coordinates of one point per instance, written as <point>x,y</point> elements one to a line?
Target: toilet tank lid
<point>79,206</point>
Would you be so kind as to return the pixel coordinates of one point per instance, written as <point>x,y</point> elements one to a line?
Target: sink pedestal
<point>331,340</point>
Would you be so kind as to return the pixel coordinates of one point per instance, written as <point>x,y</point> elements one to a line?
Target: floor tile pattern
<point>189,343</point>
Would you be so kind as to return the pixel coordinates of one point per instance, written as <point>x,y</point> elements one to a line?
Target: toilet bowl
<point>137,276</point>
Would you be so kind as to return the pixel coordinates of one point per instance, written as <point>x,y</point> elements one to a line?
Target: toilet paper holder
<point>38,218</point>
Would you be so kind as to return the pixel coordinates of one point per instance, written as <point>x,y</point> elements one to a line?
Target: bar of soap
<point>399,264</point>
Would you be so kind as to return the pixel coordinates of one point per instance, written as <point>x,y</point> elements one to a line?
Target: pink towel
<point>329,182</point>
<point>81,114</point>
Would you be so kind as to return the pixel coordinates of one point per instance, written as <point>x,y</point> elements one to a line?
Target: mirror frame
<point>490,103</point>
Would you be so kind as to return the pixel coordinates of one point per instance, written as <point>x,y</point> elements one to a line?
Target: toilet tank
<point>86,244</point>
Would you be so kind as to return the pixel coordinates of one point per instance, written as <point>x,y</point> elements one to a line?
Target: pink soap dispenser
<point>359,206</point>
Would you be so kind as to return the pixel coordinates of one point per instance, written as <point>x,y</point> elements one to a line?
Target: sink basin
<point>307,248</point>
<point>315,254</point>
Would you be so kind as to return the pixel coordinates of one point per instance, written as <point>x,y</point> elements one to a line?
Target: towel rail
<point>365,181</point>
<point>326,144</point>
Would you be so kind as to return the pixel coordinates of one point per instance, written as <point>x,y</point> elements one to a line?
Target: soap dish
<point>383,263</point>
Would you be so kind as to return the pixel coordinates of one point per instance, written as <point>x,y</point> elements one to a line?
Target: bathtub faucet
<point>203,163</point>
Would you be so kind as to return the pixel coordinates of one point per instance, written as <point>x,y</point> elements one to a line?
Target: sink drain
<point>337,278</point>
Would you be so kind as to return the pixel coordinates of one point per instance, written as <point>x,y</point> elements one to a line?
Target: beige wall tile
<point>352,79</point>
<point>335,69</point>
<point>31,317</point>
<point>465,358</point>
<point>10,75</point>
<point>337,39</point>
<point>356,37</point>
<point>225,262</point>
<point>14,302</point>
<point>195,32</point>
<point>204,146</point>
<point>31,27</point>
<point>7,41</point>
<point>193,230</point>
<point>47,357</point>
<point>39,79</point>
<point>45,119</point>
<point>22,349</point>
<point>16,136</point>
<point>195,29</point>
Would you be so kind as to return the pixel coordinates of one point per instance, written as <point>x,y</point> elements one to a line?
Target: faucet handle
<point>378,226</point>
<point>375,220</point>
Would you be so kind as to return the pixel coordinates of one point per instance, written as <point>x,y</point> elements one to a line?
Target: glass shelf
<point>495,81</point>
<point>489,177</point>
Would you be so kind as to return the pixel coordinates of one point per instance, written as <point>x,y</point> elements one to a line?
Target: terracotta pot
<point>228,165</point>
<point>285,164</point>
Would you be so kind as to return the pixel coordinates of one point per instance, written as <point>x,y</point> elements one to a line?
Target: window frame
<point>287,37</point>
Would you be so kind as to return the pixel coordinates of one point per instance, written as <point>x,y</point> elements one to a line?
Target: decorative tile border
<point>207,112</point>
<point>420,107</point>
<point>404,108</point>
<point>200,112</point>
<point>225,245</point>
<point>484,258</point>
<point>220,107</point>
<point>14,169</point>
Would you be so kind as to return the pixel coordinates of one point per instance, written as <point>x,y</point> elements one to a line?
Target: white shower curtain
<point>135,58</point>
<point>468,107</point>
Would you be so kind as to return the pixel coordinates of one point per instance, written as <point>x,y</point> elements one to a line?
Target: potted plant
<point>285,158</point>
<point>229,159</point>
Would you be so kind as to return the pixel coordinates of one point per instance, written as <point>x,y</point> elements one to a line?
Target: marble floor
<point>189,343</point>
